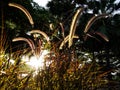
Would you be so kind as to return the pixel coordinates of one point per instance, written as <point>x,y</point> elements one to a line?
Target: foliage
<point>96,6</point>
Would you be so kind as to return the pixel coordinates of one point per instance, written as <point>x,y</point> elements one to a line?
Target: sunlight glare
<point>34,62</point>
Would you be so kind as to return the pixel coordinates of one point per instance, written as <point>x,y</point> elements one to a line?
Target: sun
<point>34,62</point>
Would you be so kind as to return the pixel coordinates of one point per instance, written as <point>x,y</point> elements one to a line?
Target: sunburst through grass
<point>60,70</point>
<point>37,59</point>
<point>36,63</point>
<point>36,49</point>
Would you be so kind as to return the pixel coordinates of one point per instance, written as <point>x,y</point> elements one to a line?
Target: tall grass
<point>64,73</point>
<point>10,74</point>
<point>10,78</point>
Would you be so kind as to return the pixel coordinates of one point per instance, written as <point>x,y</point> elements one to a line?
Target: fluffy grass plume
<point>74,25</point>
<point>42,33</point>
<point>92,20</point>
<point>24,10</point>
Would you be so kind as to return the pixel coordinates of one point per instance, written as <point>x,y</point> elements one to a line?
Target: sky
<point>44,2</point>
<point>41,2</point>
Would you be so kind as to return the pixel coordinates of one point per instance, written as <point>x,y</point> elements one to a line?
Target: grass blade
<point>103,36</point>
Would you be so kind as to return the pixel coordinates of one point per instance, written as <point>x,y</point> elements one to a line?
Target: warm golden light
<point>34,62</point>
